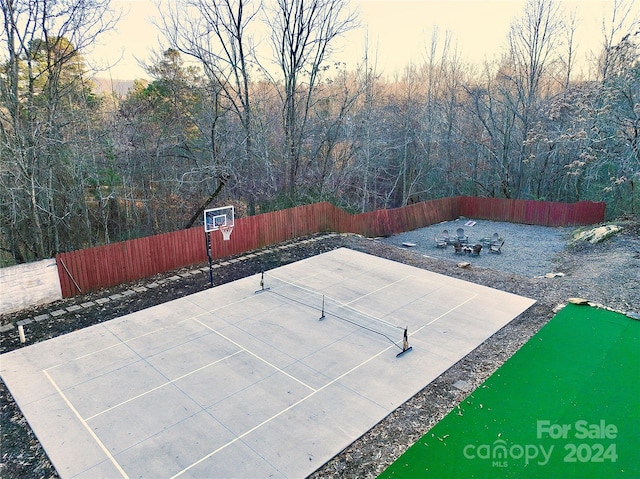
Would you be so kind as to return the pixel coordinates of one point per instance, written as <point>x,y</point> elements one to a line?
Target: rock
<point>464,265</point>
<point>554,275</point>
<point>596,235</point>
<point>578,301</point>
<point>463,386</point>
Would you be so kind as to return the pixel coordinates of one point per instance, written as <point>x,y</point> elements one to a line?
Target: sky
<point>398,31</point>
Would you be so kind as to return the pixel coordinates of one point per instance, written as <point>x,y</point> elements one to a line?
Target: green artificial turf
<point>566,405</point>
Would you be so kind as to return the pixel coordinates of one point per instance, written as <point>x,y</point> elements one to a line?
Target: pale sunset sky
<point>399,31</point>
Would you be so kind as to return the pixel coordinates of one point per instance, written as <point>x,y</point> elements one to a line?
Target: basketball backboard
<point>217,217</point>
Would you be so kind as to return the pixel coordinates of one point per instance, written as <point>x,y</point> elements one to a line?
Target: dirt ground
<point>607,273</point>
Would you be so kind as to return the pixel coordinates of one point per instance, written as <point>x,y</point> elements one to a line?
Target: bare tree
<point>532,45</point>
<point>302,36</point>
<point>369,79</point>
<point>216,35</point>
<point>620,22</point>
<point>444,77</point>
<point>42,84</point>
<point>570,45</point>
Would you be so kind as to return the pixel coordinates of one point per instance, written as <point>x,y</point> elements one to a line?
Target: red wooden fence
<point>546,213</point>
<point>94,268</point>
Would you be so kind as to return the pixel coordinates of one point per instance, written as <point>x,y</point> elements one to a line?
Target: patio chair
<point>457,248</point>
<point>476,250</point>
<point>446,237</point>
<point>493,240</point>
<point>496,248</point>
<point>462,239</point>
<point>440,242</point>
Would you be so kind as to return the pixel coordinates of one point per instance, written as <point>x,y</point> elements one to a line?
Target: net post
<point>405,343</point>
<point>262,288</point>
<point>323,316</point>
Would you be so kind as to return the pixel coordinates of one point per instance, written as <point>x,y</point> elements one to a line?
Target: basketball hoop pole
<point>207,239</point>
<point>214,219</point>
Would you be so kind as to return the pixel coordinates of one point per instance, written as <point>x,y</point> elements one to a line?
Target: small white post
<point>21,332</point>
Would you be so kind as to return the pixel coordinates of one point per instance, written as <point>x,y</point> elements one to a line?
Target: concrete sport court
<point>231,382</point>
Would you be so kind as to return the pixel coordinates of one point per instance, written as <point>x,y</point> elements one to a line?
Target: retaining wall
<point>30,284</point>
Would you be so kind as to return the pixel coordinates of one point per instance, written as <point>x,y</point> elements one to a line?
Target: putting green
<point>566,405</point>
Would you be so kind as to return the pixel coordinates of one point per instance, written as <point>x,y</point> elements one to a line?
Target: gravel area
<point>605,273</point>
<point>528,250</point>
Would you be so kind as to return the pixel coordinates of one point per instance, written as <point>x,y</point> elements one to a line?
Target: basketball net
<point>226,232</point>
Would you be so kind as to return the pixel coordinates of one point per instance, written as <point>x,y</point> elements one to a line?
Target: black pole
<point>405,343</point>
<point>262,288</point>
<point>207,239</point>
<point>322,317</point>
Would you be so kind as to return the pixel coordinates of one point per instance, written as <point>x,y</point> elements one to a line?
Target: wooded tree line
<point>220,123</point>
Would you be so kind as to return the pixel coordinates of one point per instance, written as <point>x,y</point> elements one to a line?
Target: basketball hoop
<point>226,232</point>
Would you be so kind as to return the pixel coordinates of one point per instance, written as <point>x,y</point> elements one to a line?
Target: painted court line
<point>172,381</point>
<point>382,288</point>
<point>475,295</point>
<point>314,391</point>
<point>120,343</point>
<point>280,413</point>
<point>86,426</point>
<point>259,358</point>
